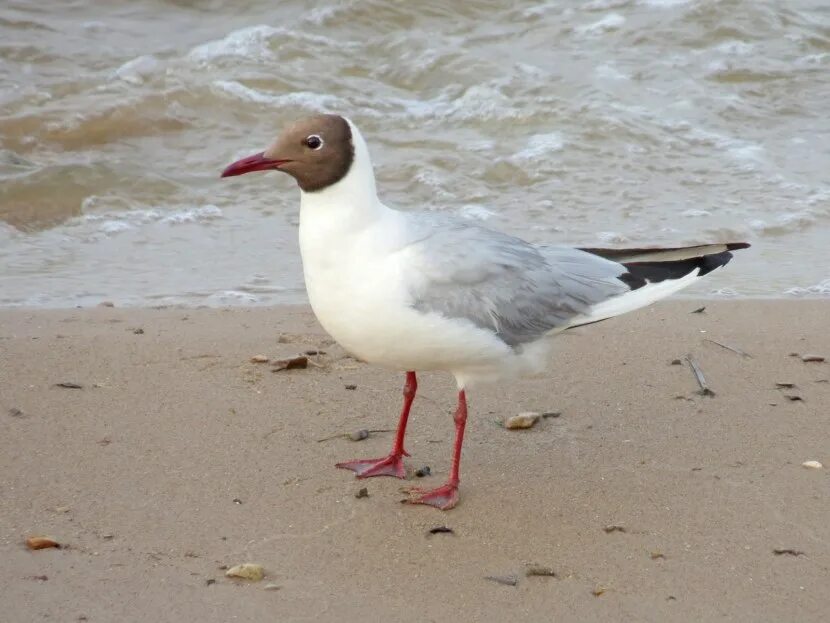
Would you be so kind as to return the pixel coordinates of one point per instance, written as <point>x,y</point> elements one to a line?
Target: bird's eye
<point>313,142</point>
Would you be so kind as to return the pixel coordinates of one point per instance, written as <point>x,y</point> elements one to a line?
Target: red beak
<point>257,162</point>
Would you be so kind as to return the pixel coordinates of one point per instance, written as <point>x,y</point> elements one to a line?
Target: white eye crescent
<point>314,141</point>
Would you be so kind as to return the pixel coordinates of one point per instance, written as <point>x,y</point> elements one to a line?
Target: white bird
<point>425,291</point>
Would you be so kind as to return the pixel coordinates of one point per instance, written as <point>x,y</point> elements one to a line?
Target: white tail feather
<point>634,299</point>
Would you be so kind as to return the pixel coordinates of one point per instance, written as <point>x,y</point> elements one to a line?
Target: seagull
<point>415,291</point>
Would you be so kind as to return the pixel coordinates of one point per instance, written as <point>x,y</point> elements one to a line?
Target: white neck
<point>352,203</point>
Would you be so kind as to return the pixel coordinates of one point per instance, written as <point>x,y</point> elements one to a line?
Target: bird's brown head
<point>316,151</point>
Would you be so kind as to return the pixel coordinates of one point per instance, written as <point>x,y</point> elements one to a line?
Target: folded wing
<point>522,292</point>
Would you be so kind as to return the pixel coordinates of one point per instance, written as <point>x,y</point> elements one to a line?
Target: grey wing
<point>504,284</point>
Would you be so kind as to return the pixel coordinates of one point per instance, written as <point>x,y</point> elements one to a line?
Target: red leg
<point>391,465</point>
<point>446,496</point>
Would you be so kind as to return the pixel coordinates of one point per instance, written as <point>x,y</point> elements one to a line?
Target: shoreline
<point>178,456</point>
<point>115,304</point>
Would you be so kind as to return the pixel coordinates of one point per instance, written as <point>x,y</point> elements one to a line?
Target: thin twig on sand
<point>705,390</point>
<point>734,349</point>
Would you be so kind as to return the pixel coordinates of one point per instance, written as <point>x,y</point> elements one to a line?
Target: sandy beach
<point>178,457</point>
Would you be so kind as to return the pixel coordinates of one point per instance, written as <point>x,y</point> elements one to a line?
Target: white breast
<point>356,283</point>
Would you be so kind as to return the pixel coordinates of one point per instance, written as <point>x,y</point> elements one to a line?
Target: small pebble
<point>676,362</point>
<point>138,331</point>
<point>15,412</point>
<point>538,570</point>
<point>599,590</point>
<point>352,387</point>
<point>812,358</point>
<point>259,359</point>
<point>614,528</point>
<point>237,501</point>
<point>521,421</point>
<point>271,587</point>
<point>210,581</point>
<point>363,493</point>
<point>106,304</point>
<point>812,465</point>
<point>441,530</point>
<point>359,435</point>
<point>246,571</point>
<point>423,471</point>
<point>657,555</point>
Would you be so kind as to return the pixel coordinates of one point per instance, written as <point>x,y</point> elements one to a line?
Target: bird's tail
<point>653,274</point>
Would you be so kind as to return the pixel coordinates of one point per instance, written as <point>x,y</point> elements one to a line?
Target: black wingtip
<point>642,273</point>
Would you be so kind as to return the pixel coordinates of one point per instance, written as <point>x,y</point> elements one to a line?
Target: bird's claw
<point>444,497</point>
<point>391,465</point>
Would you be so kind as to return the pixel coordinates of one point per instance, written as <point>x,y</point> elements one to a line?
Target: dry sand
<point>179,456</point>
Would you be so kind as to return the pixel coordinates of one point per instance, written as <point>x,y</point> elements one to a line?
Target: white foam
<point>540,9</point>
<point>735,48</point>
<point>664,4</point>
<point>138,70</point>
<point>482,102</point>
<point>741,150</point>
<point>320,15</point>
<point>746,151</point>
<point>114,226</point>
<point>821,289</point>
<point>607,71</point>
<point>435,180</point>
<point>234,297</point>
<point>812,59</point>
<point>112,221</point>
<point>475,212</point>
<point>604,5</point>
<point>612,21</point>
<point>255,43</point>
<point>819,196</point>
<point>251,42</point>
<point>259,284</point>
<point>612,237</point>
<point>540,145</point>
<point>784,223</point>
<point>193,215</point>
<point>317,102</point>
<point>240,91</point>
<point>531,70</point>
<point>694,212</point>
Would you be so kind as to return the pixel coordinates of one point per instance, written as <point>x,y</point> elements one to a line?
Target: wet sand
<point>179,456</point>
